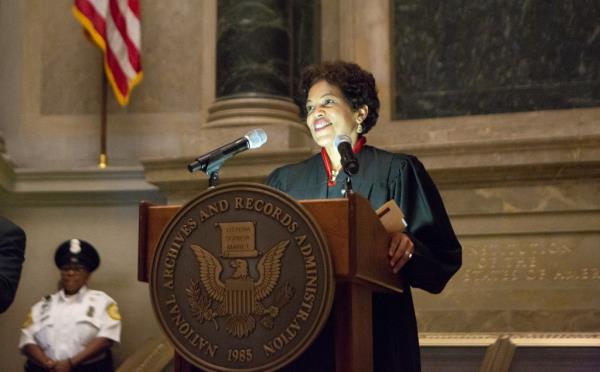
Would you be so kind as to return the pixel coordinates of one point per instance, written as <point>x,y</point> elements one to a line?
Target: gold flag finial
<point>103,161</point>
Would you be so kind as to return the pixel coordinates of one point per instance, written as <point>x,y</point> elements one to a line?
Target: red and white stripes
<point>115,26</point>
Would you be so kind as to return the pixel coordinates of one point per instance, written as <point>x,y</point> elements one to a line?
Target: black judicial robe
<point>437,255</point>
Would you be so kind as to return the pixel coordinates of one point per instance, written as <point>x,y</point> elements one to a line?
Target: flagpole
<point>94,20</point>
<point>103,156</point>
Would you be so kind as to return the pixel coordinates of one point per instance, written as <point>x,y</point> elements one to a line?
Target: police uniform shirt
<point>63,325</point>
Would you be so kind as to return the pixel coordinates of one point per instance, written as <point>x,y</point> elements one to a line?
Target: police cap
<point>79,252</point>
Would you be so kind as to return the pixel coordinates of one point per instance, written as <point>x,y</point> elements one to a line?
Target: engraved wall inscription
<point>540,259</point>
<point>519,283</point>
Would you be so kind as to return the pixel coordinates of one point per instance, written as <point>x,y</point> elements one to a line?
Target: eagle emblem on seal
<point>240,297</point>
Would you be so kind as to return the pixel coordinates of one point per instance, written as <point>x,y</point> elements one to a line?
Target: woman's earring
<point>359,128</point>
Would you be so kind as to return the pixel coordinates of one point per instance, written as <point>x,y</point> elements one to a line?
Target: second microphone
<point>215,158</point>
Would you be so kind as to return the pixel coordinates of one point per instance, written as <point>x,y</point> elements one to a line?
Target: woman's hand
<point>62,366</point>
<point>37,356</point>
<point>49,364</point>
<point>400,250</point>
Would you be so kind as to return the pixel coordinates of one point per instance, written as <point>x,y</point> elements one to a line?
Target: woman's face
<point>329,114</point>
<point>73,277</point>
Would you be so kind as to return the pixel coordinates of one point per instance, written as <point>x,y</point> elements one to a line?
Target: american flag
<point>115,26</point>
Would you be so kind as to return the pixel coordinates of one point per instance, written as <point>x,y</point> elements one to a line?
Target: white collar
<point>76,297</point>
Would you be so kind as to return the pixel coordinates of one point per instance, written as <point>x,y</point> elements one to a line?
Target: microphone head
<point>256,138</point>
<point>342,138</point>
<point>344,145</point>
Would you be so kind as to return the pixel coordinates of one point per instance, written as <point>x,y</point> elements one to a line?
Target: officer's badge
<point>75,246</point>
<point>113,311</point>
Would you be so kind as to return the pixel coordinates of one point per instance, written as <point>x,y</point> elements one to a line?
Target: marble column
<point>253,49</point>
<point>257,58</point>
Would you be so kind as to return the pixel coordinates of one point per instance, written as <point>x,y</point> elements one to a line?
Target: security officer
<point>74,328</point>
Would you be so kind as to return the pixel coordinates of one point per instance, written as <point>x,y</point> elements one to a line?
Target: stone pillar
<point>253,48</point>
<point>256,49</point>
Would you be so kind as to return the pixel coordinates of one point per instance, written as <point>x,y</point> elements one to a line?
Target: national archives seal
<point>242,279</point>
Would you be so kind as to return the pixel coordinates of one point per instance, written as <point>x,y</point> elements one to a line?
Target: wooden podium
<point>358,244</point>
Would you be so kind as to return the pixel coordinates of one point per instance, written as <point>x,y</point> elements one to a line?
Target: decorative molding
<point>504,145</point>
<point>535,222</point>
<point>494,176</point>
<point>87,186</point>
<point>497,162</point>
<point>463,165</point>
<point>246,109</point>
<point>534,339</point>
<point>451,165</point>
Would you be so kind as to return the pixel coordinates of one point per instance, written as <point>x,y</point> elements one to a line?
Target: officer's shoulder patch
<point>113,311</point>
<point>28,321</point>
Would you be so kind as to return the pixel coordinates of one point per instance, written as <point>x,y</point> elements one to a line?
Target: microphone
<point>211,161</point>
<point>344,146</point>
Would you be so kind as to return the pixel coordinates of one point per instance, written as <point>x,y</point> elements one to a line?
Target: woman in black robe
<point>340,98</point>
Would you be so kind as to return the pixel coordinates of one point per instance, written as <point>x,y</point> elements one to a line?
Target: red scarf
<point>327,162</point>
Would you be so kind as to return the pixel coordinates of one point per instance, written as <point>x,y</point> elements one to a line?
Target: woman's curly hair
<point>357,85</point>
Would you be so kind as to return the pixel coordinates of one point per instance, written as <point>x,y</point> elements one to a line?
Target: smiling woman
<point>329,114</point>
<point>340,99</point>
<point>73,329</point>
